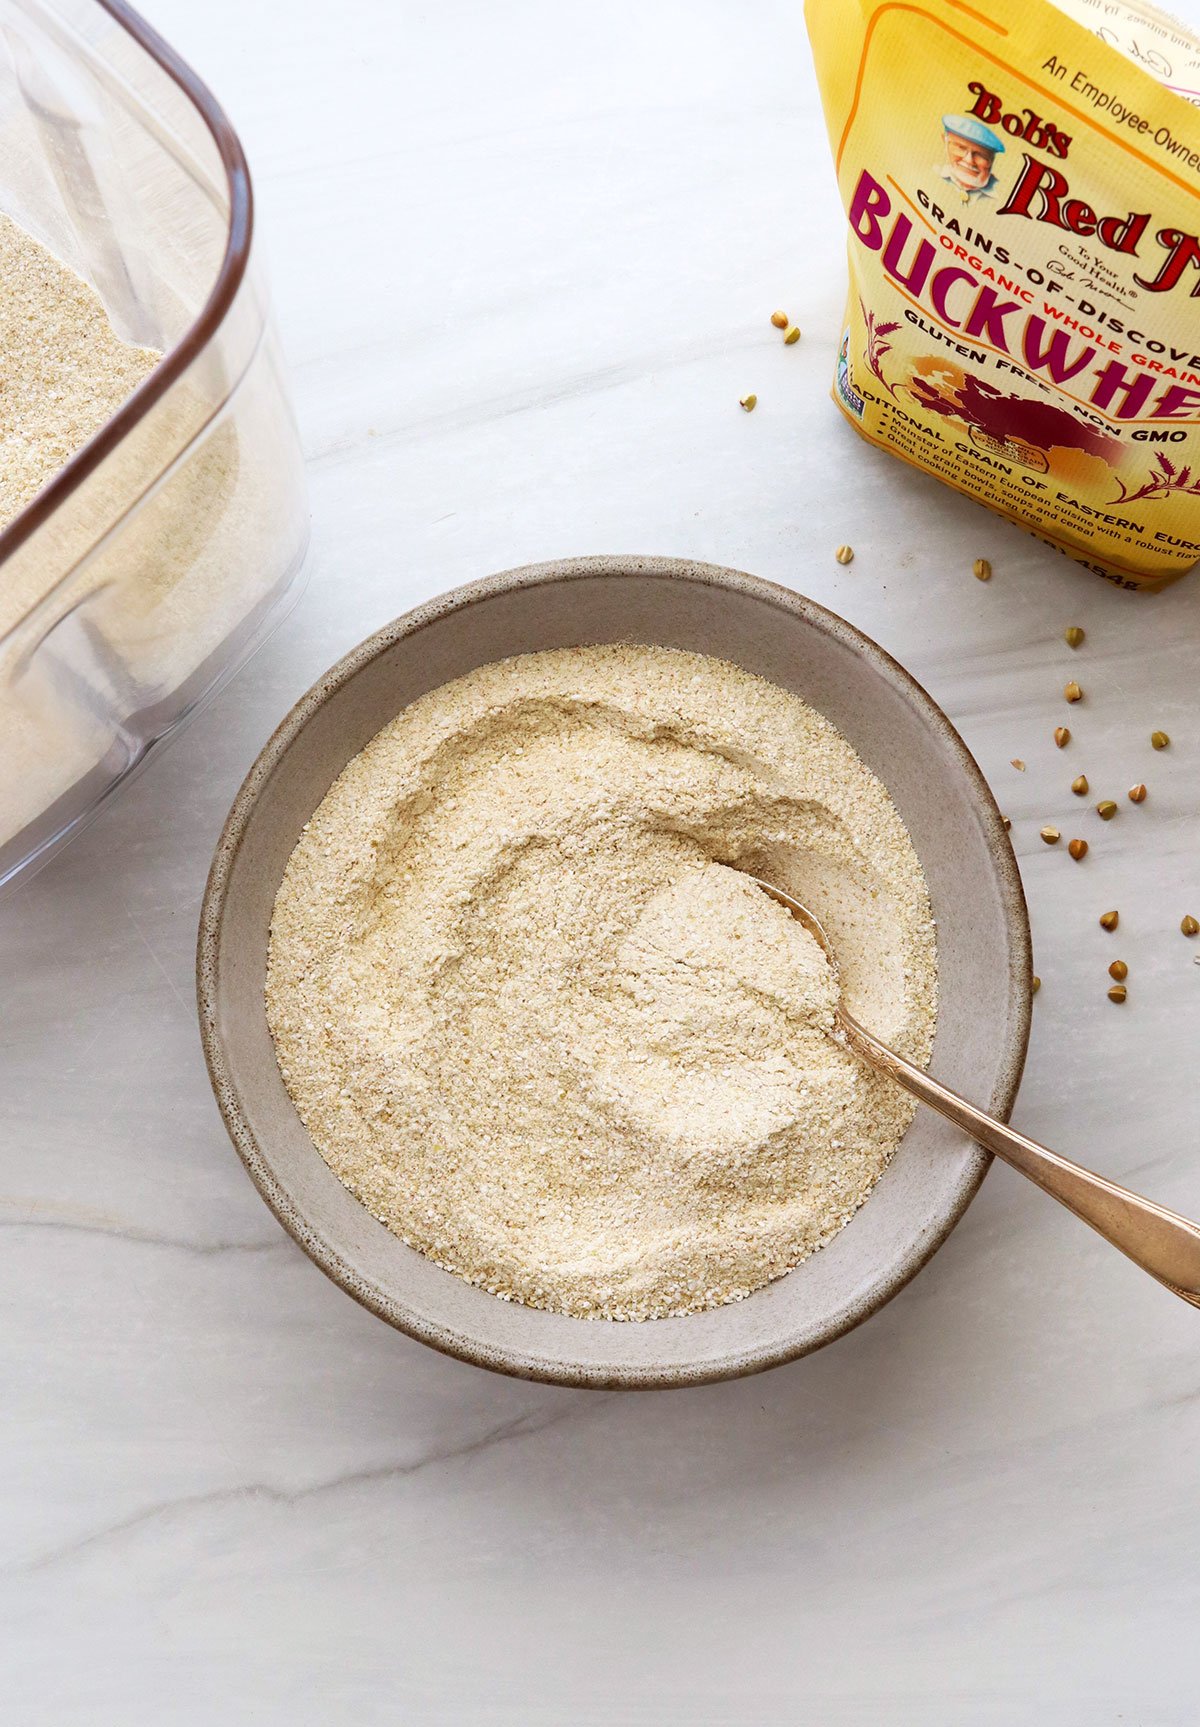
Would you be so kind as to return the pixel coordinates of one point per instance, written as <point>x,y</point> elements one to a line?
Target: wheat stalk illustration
<point>878,346</point>
<point>1168,480</point>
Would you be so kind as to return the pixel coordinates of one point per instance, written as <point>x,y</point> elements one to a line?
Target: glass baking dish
<point>151,565</point>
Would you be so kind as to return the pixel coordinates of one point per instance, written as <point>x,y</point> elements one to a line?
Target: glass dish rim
<point>196,338</point>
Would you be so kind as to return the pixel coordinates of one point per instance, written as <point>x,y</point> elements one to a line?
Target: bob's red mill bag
<point>1023,198</point>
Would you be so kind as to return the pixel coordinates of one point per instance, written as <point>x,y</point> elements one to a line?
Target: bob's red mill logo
<point>1042,193</point>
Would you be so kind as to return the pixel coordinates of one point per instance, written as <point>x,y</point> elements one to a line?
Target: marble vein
<point>518,1427</point>
<point>136,1237</point>
<point>487,411</point>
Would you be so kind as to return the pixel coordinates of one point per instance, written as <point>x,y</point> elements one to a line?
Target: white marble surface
<point>523,258</point>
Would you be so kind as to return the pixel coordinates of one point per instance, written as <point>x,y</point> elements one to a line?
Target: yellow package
<point>1023,319</point>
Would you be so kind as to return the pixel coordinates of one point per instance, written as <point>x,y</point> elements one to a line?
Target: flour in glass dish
<point>539,1024</point>
<point>65,371</point>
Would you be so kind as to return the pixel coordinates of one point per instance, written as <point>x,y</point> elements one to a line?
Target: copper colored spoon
<point>1161,1242</point>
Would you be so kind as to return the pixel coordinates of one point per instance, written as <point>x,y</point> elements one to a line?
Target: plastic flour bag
<point>1022,188</point>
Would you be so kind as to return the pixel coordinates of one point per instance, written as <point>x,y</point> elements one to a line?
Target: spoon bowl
<point>1160,1241</point>
<point>802,915</point>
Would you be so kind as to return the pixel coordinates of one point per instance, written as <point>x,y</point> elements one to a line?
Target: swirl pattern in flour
<point>542,1029</point>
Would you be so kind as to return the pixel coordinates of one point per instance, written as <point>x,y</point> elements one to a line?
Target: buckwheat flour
<point>100,629</point>
<point>542,1030</point>
<point>65,370</point>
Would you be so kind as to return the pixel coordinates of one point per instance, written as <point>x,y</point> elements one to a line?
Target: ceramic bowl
<point>983,936</point>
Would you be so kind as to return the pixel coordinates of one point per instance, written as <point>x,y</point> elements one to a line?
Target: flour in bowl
<point>539,1024</point>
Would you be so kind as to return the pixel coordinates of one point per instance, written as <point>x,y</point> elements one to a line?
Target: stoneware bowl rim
<point>256,1157</point>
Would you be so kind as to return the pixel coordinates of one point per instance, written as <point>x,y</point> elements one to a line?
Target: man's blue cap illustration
<point>967,126</point>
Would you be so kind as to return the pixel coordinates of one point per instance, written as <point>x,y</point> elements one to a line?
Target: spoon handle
<point>1160,1241</point>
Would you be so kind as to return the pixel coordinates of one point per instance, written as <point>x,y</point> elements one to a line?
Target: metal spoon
<point>1161,1242</point>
